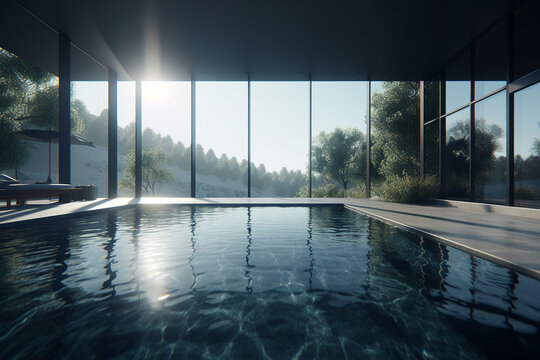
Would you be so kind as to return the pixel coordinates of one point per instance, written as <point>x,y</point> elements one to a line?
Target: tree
<point>487,165</point>
<point>395,124</point>
<point>95,127</point>
<point>339,156</point>
<point>28,98</point>
<point>153,176</point>
<point>20,81</point>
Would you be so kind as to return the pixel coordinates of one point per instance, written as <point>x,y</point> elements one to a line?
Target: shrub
<point>331,190</point>
<point>526,192</point>
<point>408,189</point>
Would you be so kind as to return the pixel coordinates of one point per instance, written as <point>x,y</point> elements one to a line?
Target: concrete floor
<point>506,236</point>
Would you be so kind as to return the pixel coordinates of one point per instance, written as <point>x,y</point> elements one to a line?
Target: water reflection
<point>248,252</point>
<point>109,248</point>
<point>211,271</point>
<point>310,249</point>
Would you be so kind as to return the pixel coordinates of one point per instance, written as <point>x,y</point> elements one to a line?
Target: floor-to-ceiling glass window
<point>89,121</point>
<point>491,54</point>
<point>395,134</point>
<point>222,138</point>
<point>339,139</point>
<point>126,138</point>
<point>89,158</point>
<point>279,137</point>
<point>457,155</point>
<point>166,138</point>
<point>431,149</point>
<point>526,39</point>
<point>527,146</point>
<point>431,128</point>
<point>490,149</point>
<point>28,121</point>
<point>458,84</point>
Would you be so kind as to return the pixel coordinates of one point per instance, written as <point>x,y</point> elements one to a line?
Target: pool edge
<point>438,238</point>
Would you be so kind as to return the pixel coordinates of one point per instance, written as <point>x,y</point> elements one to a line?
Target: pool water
<point>259,282</point>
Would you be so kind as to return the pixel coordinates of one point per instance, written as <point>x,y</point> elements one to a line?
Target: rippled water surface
<point>260,282</point>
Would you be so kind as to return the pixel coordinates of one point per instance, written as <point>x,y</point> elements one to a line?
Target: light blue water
<point>260,282</point>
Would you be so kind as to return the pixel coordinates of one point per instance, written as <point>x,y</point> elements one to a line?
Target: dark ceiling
<point>273,40</point>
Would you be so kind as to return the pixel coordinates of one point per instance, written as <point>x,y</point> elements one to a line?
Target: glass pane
<point>279,137</point>
<point>431,149</point>
<point>395,134</point>
<point>527,147</point>
<point>485,87</point>
<point>222,144</point>
<point>28,121</point>
<point>491,61</point>
<point>458,93</point>
<point>89,122</point>
<point>457,155</point>
<point>126,138</point>
<point>431,100</point>
<point>89,163</point>
<point>339,141</point>
<point>526,39</point>
<point>458,85</point>
<point>490,149</point>
<point>166,123</point>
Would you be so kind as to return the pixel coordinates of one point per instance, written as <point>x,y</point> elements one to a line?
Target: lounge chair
<point>10,190</point>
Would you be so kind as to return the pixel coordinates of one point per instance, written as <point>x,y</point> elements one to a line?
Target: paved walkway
<point>512,241</point>
<point>483,230</point>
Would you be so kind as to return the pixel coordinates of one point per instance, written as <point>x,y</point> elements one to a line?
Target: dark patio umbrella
<point>50,136</point>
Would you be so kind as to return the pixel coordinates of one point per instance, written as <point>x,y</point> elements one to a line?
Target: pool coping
<point>455,244</point>
<point>37,213</point>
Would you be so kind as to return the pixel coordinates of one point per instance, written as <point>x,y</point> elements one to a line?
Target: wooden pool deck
<point>504,235</point>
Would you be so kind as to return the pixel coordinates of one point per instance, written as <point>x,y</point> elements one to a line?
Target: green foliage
<point>332,191</point>
<point>408,189</point>
<point>282,183</point>
<point>395,147</point>
<point>339,156</point>
<point>153,175</point>
<point>95,127</point>
<point>526,192</point>
<point>457,158</point>
<point>28,99</point>
<point>395,124</point>
<point>13,151</point>
<point>20,81</point>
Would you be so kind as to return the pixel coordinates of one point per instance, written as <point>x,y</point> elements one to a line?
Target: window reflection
<point>458,85</point>
<point>526,40</point>
<point>527,147</point>
<point>458,93</point>
<point>490,149</point>
<point>28,101</point>
<point>491,55</point>
<point>431,100</point>
<point>457,154</point>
